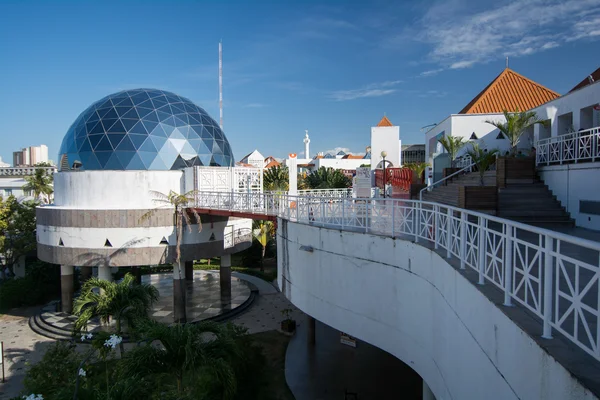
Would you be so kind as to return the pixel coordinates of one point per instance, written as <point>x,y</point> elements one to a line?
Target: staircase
<point>530,203</point>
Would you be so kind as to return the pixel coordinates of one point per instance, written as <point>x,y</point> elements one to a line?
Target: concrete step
<point>533,213</point>
<point>39,326</point>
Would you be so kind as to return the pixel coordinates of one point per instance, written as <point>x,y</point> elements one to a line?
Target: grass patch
<point>274,346</point>
<point>268,275</point>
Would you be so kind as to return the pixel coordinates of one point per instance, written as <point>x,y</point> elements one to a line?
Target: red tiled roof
<point>352,157</point>
<point>509,91</point>
<point>586,81</point>
<point>273,163</point>
<point>385,122</point>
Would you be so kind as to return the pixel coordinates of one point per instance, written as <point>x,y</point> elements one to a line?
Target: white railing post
<point>436,226</point>
<point>367,206</point>
<point>322,211</point>
<point>508,254</point>
<point>394,218</point>
<point>463,239</point>
<point>481,250</point>
<point>548,276</point>
<point>594,146</point>
<point>343,212</point>
<point>416,221</point>
<point>449,225</point>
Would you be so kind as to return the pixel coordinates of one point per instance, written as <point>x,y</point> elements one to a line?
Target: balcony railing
<point>582,146</point>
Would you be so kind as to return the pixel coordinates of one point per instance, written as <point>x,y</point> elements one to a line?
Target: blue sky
<point>333,68</point>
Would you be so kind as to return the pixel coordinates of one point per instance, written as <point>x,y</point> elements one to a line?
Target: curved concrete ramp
<point>407,300</point>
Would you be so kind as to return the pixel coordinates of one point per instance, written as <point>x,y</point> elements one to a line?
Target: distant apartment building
<point>30,156</point>
<point>413,153</point>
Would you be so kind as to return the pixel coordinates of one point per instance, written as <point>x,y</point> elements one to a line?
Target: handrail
<point>572,147</point>
<point>469,167</point>
<point>525,262</point>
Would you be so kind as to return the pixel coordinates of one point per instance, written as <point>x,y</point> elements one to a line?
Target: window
<point>27,192</point>
<point>8,192</point>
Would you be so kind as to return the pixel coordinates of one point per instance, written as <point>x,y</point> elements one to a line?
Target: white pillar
<point>427,393</point>
<point>66,288</point>
<point>293,175</point>
<point>105,273</point>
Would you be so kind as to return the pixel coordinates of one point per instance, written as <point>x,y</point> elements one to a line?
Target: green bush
<point>40,284</point>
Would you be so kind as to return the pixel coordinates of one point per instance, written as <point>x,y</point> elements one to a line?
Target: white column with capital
<point>293,175</point>
<point>306,146</point>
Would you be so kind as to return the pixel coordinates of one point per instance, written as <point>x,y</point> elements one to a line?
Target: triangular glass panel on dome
<point>147,145</point>
<point>98,128</point>
<point>218,158</point>
<point>125,145</point>
<point>159,141</point>
<point>206,120</point>
<point>158,164</point>
<point>152,116</point>
<point>189,108</point>
<point>106,104</point>
<point>166,109</point>
<point>179,163</point>
<point>213,163</point>
<point>108,122</point>
<point>113,163</point>
<point>168,154</point>
<point>92,117</point>
<point>90,126</point>
<point>146,104</point>
<point>111,114</point>
<point>195,119</point>
<point>140,97</point>
<point>163,116</point>
<point>178,144</point>
<point>103,111</point>
<point>147,157</point>
<point>218,134</point>
<point>122,110</point>
<point>85,145</point>
<point>125,102</point>
<point>173,98</point>
<point>103,145</point>
<point>131,114</point>
<point>193,133</point>
<point>176,134</point>
<point>158,131</point>
<point>217,147</point>
<point>159,101</point>
<point>115,139</point>
<point>117,127</point>
<point>89,160</point>
<point>142,112</point>
<point>205,159</point>
<point>199,146</point>
<point>150,126</point>
<point>136,163</point>
<point>178,109</point>
<point>139,128</point>
<point>154,93</point>
<point>209,143</point>
<point>137,140</point>
<point>207,132</point>
<point>125,157</point>
<point>179,122</point>
<point>103,157</point>
<point>184,130</point>
<point>187,148</point>
<point>129,123</point>
<point>95,139</point>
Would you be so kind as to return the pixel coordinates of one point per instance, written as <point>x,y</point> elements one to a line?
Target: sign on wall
<point>347,339</point>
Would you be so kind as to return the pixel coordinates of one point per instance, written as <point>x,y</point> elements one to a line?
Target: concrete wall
<point>571,183</point>
<point>408,301</point>
<point>106,190</point>
<point>337,163</point>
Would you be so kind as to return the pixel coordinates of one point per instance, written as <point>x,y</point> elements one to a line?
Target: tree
<point>263,232</point>
<point>418,168</point>
<point>452,145</point>
<point>515,126</point>
<point>327,178</point>
<point>40,183</point>
<point>181,212</point>
<point>483,159</point>
<point>17,230</point>
<point>124,301</point>
<point>276,178</point>
<point>208,348</point>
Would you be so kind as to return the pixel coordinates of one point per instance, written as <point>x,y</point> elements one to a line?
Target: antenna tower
<point>221,83</point>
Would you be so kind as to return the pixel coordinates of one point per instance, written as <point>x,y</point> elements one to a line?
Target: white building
<point>385,137</point>
<point>3,164</point>
<point>508,91</point>
<point>255,159</point>
<point>12,181</point>
<point>30,156</point>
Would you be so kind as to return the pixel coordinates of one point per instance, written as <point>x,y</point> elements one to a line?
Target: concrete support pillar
<point>66,288</point>
<point>137,272</point>
<point>104,273</point>
<point>225,275</point>
<point>311,330</point>
<point>189,271</point>
<point>179,289</point>
<point>427,393</point>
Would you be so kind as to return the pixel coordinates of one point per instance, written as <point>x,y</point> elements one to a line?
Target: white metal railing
<point>329,193</point>
<point>572,147</point>
<point>24,171</point>
<point>553,275</point>
<point>467,168</point>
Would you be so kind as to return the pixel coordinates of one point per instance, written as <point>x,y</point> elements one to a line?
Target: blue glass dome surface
<point>144,129</point>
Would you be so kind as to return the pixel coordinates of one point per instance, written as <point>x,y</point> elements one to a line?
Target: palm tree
<point>40,183</point>
<point>263,232</point>
<point>515,126</point>
<point>327,178</point>
<point>124,301</point>
<point>181,212</point>
<point>483,159</point>
<point>452,145</point>
<point>276,178</point>
<point>206,348</point>
<point>418,168</point>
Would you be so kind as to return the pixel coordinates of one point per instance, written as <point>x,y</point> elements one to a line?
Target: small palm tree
<point>276,178</point>
<point>327,178</point>
<point>515,126</point>
<point>181,212</point>
<point>452,145</point>
<point>483,159</point>
<point>263,232</point>
<point>124,301</point>
<point>206,348</point>
<point>40,183</point>
<point>418,168</point>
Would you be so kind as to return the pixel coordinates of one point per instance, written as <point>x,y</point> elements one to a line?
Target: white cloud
<point>372,90</point>
<point>461,38</point>
<point>431,72</point>
<point>346,150</point>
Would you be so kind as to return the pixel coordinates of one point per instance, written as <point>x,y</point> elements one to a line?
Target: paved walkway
<point>22,345</point>
<point>330,370</point>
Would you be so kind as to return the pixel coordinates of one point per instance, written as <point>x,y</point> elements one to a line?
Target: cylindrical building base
<point>225,275</point>
<point>427,393</point>
<point>105,273</point>
<point>66,288</point>
<point>179,289</point>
